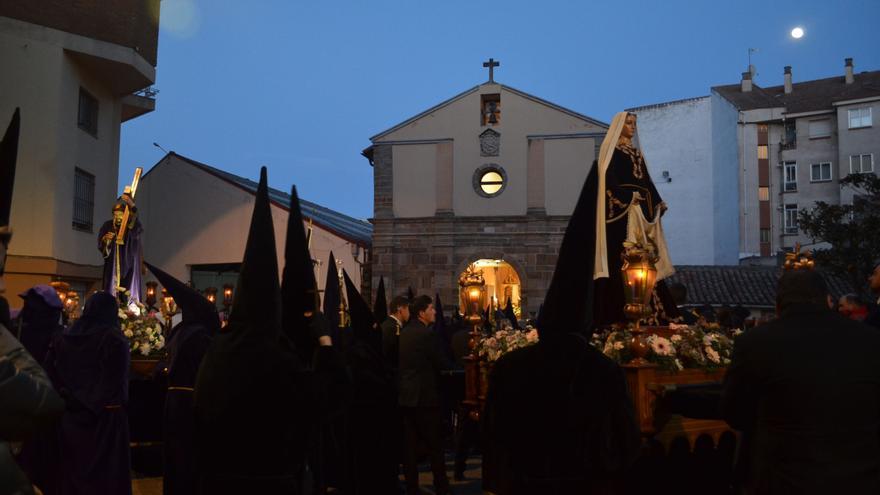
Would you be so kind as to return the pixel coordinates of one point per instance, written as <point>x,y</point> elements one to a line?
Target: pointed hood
<point>331,295</point>
<point>440,322</point>
<point>510,314</point>
<point>257,304</point>
<point>362,322</point>
<point>195,307</point>
<point>380,307</point>
<point>298,286</point>
<point>568,306</point>
<point>410,294</point>
<point>8,156</point>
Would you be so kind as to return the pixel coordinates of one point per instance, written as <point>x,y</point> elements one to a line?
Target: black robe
<point>558,420</point>
<point>627,173</point>
<point>371,423</point>
<point>186,348</point>
<point>89,367</point>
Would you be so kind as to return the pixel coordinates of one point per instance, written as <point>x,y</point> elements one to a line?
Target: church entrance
<point>502,284</point>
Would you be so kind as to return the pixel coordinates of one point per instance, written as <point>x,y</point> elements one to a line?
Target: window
<point>87,118</point>
<point>490,109</point>
<point>820,128</point>
<point>859,117</point>
<point>489,180</point>
<point>790,176</point>
<point>820,172</point>
<point>765,236</point>
<point>860,164</point>
<point>762,152</point>
<point>791,223</point>
<point>763,193</point>
<point>83,199</point>
<point>790,142</point>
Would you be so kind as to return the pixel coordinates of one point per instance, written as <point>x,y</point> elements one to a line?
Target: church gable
<point>493,106</point>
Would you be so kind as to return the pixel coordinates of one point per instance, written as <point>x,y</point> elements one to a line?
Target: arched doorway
<point>502,284</point>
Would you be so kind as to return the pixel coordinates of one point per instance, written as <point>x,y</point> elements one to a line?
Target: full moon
<point>797,33</point>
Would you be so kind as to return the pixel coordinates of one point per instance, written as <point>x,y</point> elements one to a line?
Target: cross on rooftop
<point>491,64</point>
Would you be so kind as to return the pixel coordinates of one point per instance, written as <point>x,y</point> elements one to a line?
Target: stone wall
<point>428,254</point>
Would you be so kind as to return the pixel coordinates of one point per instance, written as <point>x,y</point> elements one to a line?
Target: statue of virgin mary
<point>628,208</point>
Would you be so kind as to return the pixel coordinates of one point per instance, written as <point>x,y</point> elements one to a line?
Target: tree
<point>852,231</point>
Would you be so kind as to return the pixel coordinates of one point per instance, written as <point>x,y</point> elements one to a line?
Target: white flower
<point>661,346</point>
<point>159,344</point>
<point>122,314</point>
<point>737,332</point>
<point>145,349</point>
<point>675,338</point>
<point>128,333</point>
<point>712,355</point>
<point>618,345</point>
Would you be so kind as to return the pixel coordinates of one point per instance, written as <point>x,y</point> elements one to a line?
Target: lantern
<point>639,277</point>
<point>227,295</point>
<point>472,290</point>
<point>150,298</point>
<point>169,308</point>
<point>211,295</point>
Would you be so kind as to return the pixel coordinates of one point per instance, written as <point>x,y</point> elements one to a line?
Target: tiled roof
<point>349,228</point>
<point>807,96</point>
<point>749,286</point>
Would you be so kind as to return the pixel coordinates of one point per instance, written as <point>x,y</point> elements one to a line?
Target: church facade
<point>487,179</point>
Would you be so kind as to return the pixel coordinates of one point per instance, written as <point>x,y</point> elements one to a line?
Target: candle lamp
<point>150,297</point>
<point>211,294</point>
<point>168,309</point>
<point>639,278</point>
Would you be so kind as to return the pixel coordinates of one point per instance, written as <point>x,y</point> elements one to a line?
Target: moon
<point>797,33</point>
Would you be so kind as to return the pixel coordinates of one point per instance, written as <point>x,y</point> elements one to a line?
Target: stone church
<point>486,178</point>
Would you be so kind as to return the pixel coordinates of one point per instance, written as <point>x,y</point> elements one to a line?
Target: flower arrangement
<point>689,347</point>
<point>503,341</point>
<point>141,328</point>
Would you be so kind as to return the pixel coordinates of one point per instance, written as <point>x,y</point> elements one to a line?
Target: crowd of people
<point>279,400</point>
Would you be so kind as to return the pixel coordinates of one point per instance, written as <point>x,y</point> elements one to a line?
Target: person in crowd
<point>809,416</point>
<point>89,366</point>
<point>558,417</point>
<point>371,420</point>
<point>189,340</point>
<point>397,318</point>
<point>257,405</point>
<point>851,306</point>
<point>421,361</point>
<point>40,319</point>
<point>873,317</point>
<point>28,403</point>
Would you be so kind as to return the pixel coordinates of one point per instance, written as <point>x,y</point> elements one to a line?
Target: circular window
<point>490,180</point>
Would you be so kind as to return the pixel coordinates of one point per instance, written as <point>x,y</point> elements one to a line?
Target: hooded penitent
<point>568,306</point>
<point>582,426</point>
<point>332,297</point>
<point>510,314</point>
<point>186,348</point>
<point>369,456</point>
<point>380,307</point>
<point>8,154</point>
<point>251,418</point>
<point>89,367</point>
<point>298,286</point>
<point>40,319</point>
<point>363,324</point>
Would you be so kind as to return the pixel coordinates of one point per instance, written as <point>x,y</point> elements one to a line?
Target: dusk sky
<point>300,86</point>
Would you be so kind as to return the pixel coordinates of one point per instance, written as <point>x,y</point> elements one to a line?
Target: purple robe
<point>131,255</point>
<point>89,366</point>
<point>188,344</point>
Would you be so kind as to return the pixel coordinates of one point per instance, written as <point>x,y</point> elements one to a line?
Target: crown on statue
<point>797,260</point>
<point>471,276</point>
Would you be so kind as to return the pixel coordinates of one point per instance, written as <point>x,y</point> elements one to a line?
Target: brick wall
<point>429,254</point>
<point>130,23</point>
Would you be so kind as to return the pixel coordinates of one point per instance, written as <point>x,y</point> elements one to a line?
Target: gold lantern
<point>472,290</point>
<point>639,277</point>
<point>169,308</point>
<point>211,295</point>
<point>150,298</point>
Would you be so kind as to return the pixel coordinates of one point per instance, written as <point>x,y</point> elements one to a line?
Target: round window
<point>490,180</point>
